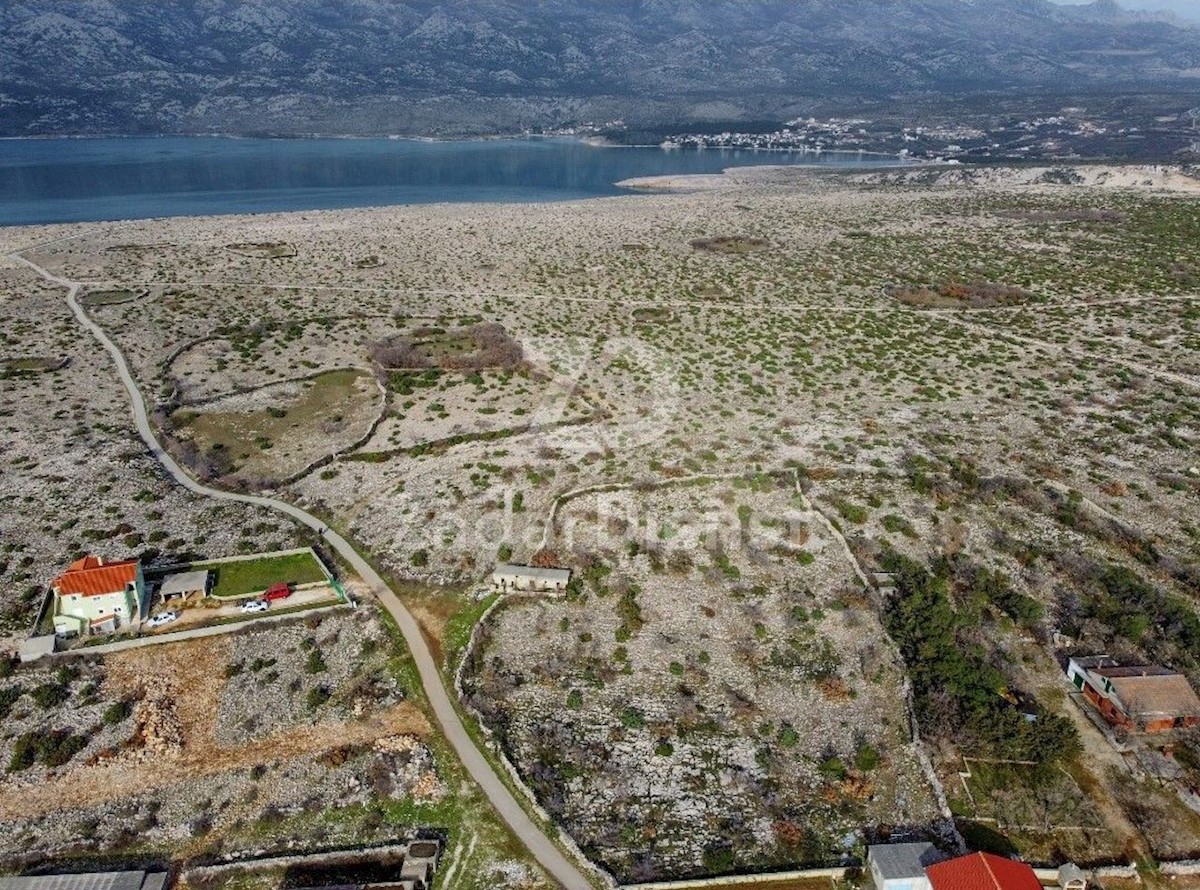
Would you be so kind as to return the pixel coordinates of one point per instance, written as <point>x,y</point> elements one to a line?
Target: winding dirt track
<point>543,849</point>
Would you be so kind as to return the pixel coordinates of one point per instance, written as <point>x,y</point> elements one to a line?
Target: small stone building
<point>1071,877</point>
<point>900,866</point>
<point>37,648</point>
<point>105,880</point>
<point>507,578</point>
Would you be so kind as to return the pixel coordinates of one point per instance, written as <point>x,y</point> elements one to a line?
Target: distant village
<point>1071,134</point>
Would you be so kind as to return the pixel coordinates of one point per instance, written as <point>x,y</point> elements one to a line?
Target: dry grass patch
<point>265,250</point>
<point>475,348</point>
<point>277,430</point>
<point>113,297</point>
<point>960,295</point>
<point>729,245</point>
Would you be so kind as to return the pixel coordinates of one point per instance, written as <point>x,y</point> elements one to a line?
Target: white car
<point>162,618</point>
<point>255,606</point>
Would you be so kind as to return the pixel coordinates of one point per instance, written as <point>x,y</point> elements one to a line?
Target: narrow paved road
<point>543,849</point>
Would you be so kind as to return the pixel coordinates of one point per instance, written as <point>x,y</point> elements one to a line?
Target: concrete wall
<point>832,874</point>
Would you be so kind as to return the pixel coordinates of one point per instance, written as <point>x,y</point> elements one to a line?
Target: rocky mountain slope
<point>422,66</point>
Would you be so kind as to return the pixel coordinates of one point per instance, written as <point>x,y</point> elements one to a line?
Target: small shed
<point>36,648</point>
<point>108,880</point>
<point>184,586</point>
<point>417,871</point>
<point>900,866</point>
<point>1071,877</point>
<point>507,577</point>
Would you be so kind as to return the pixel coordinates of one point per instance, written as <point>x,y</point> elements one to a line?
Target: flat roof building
<point>36,648</point>
<point>104,880</point>
<point>508,577</point>
<point>184,585</point>
<point>901,866</point>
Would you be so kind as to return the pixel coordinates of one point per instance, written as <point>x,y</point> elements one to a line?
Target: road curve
<point>547,854</point>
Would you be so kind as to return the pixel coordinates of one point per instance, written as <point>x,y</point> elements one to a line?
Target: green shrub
<point>630,614</point>
<point>866,758</point>
<point>24,753</point>
<point>316,662</point>
<point>8,698</point>
<point>57,747</point>
<point>833,768</point>
<point>996,588</point>
<point>53,748</point>
<point>116,712</point>
<point>632,718</point>
<point>48,695</point>
<point>852,512</point>
<point>420,558</point>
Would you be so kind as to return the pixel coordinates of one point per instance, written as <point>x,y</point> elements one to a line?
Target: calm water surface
<point>77,180</point>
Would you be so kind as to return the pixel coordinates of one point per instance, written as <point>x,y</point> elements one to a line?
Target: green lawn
<point>253,575</point>
<point>109,297</point>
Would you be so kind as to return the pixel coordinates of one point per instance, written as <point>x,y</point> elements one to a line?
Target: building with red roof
<point>94,596</point>
<point>982,871</point>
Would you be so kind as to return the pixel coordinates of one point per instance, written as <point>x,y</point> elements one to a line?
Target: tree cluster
<point>959,695</point>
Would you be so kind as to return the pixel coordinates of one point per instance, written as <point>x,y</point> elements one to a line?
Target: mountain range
<point>443,67</point>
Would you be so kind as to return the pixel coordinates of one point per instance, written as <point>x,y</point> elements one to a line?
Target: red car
<point>277,592</point>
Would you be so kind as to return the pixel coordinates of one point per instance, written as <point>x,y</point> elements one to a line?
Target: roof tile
<point>92,576</point>
<point>982,871</point>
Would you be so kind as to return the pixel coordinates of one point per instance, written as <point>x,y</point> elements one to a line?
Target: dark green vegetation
<point>959,693</point>
<point>733,245</point>
<point>51,749</point>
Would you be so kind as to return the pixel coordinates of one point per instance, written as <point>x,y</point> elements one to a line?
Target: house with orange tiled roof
<point>982,871</point>
<point>94,596</point>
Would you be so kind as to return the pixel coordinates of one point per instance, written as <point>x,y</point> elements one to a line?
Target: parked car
<point>277,592</point>
<point>251,606</point>
<point>162,618</point>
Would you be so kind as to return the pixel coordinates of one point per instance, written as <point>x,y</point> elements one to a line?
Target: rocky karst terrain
<point>984,381</point>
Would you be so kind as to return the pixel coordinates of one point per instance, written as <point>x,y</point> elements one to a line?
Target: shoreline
<point>590,141</point>
<point>756,173</point>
